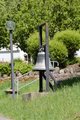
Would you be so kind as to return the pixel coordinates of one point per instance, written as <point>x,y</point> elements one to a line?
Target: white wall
<point>77,53</point>
<point>5,55</point>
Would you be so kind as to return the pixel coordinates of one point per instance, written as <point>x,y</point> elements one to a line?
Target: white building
<point>5,54</point>
<point>77,53</point>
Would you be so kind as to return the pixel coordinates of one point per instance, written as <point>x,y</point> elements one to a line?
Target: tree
<point>29,14</point>
<point>4,40</point>
<point>62,15</point>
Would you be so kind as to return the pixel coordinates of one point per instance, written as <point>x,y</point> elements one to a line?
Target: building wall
<point>77,53</point>
<point>5,55</point>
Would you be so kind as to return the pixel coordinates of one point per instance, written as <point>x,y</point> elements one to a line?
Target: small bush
<point>71,61</point>
<point>22,67</point>
<point>71,39</point>
<point>19,66</point>
<point>5,69</point>
<point>78,60</point>
<point>18,60</point>
<point>58,51</point>
<point>33,44</point>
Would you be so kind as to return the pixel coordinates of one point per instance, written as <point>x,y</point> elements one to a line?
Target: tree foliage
<point>29,14</point>
<point>4,41</point>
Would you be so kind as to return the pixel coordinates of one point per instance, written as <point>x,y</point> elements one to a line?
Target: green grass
<point>61,105</point>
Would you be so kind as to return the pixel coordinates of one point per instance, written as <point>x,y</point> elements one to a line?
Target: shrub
<point>19,66</point>
<point>71,61</point>
<point>22,67</point>
<point>78,60</point>
<point>58,51</point>
<point>18,60</point>
<point>5,69</point>
<point>33,44</point>
<point>71,39</point>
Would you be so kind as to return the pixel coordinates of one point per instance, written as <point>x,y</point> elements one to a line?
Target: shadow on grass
<point>69,82</point>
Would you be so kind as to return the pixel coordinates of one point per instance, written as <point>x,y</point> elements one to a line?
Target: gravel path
<point>4,118</point>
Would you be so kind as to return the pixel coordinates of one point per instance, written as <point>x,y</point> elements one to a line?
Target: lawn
<point>63,104</point>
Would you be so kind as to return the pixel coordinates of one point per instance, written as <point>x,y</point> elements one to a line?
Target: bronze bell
<point>40,64</point>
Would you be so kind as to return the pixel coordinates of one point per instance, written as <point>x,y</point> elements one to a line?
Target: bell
<point>40,64</point>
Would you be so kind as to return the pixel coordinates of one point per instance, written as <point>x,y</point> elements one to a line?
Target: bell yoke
<point>43,63</point>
